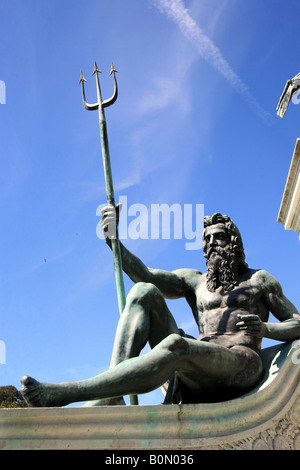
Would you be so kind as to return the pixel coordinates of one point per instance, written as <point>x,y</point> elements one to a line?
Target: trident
<point>115,243</point>
<point>100,105</point>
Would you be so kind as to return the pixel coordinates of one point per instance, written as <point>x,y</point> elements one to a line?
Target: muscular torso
<point>218,311</point>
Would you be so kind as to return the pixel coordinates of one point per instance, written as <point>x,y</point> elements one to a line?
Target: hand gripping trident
<point>115,244</point>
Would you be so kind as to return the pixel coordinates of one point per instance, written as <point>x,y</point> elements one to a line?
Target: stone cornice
<point>289,213</point>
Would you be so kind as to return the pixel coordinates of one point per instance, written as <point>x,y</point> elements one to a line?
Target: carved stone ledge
<point>284,435</point>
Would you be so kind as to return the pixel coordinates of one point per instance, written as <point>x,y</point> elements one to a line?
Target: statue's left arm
<point>288,328</point>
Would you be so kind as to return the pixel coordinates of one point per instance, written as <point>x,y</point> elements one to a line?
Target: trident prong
<point>111,101</point>
<point>100,103</point>
<point>89,107</point>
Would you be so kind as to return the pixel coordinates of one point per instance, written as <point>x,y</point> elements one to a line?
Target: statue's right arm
<point>171,284</point>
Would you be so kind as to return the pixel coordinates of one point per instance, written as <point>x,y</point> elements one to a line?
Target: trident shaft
<point>100,105</point>
<point>115,243</point>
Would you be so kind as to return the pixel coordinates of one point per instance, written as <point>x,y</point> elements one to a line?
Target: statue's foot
<point>37,394</point>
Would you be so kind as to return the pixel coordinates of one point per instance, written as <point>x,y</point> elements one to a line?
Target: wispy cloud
<point>92,189</point>
<point>164,92</point>
<point>176,11</point>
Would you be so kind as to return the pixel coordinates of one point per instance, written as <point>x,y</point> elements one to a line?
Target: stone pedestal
<point>266,418</point>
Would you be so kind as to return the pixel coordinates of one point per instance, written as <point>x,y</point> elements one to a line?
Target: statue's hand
<point>252,324</point>
<point>110,221</point>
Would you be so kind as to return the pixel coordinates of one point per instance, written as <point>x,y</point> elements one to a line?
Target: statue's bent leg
<point>146,317</point>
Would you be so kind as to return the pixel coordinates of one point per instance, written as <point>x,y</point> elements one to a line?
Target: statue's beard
<point>222,268</point>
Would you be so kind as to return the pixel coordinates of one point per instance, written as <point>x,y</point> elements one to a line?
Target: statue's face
<point>216,235</point>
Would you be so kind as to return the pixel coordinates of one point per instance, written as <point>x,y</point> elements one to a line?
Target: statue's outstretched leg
<point>133,376</point>
<point>146,317</point>
<point>200,365</point>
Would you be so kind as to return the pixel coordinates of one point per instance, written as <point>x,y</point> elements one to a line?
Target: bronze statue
<point>231,305</point>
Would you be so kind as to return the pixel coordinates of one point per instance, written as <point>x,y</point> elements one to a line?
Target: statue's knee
<point>141,291</point>
<point>174,342</point>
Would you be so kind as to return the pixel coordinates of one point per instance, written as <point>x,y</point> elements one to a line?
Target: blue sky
<point>195,123</point>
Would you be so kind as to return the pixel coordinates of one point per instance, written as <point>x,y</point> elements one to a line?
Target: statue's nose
<point>212,240</point>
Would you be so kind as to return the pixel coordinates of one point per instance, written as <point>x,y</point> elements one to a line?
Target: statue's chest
<point>241,297</point>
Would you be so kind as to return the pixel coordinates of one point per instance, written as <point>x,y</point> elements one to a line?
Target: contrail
<point>177,12</point>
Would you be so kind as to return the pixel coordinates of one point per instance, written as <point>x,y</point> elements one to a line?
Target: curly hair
<point>234,235</point>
